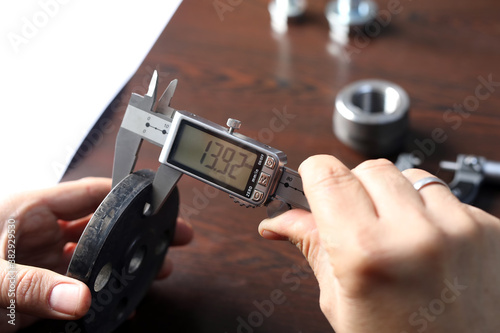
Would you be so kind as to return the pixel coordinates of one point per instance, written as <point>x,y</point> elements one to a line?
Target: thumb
<point>296,225</point>
<point>42,293</point>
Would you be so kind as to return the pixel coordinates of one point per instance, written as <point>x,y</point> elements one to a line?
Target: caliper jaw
<point>141,122</point>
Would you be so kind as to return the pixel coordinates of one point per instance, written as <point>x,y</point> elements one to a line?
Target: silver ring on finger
<point>420,184</point>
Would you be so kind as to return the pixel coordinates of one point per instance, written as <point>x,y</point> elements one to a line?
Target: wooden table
<point>233,65</point>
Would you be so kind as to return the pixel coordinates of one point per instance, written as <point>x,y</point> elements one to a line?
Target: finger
<point>68,250</point>
<point>79,198</point>
<point>441,206</point>
<point>293,225</point>
<point>75,199</point>
<point>482,217</point>
<point>337,198</point>
<point>391,192</point>
<point>298,227</point>
<point>166,269</point>
<point>72,231</point>
<point>43,293</point>
<point>132,315</point>
<point>267,233</point>
<point>433,195</point>
<point>183,233</point>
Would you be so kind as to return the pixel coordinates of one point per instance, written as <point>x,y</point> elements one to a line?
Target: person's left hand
<point>48,223</point>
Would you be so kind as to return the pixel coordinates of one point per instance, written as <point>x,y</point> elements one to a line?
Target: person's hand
<point>392,259</point>
<point>46,225</point>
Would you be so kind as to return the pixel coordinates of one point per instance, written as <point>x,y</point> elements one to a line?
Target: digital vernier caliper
<point>254,174</point>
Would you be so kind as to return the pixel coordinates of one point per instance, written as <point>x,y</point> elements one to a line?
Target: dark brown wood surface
<point>237,67</point>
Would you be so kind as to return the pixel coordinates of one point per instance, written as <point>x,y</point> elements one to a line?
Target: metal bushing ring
<point>371,116</point>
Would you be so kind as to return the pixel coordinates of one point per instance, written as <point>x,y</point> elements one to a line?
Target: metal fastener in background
<point>282,11</point>
<point>343,15</point>
<point>371,116</point>
<point>470,172</point>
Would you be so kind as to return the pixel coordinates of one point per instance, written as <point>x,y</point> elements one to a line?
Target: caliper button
<point>257,195</point>
<point>264,179</point>
<point>270,162</point>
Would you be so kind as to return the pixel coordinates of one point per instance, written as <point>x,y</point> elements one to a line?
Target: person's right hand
<point>392,259</point>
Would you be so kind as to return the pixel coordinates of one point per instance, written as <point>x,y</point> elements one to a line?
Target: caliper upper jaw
<point>163,106</point>
<point>128,142</point>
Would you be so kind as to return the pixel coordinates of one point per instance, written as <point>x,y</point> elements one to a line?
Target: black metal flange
<point>121,251</point>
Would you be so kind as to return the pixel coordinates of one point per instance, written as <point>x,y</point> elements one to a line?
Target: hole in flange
<point>103,277</point>
<point>146,211</point>
<point>120,309</point>
<point>137,259</point>
<point>376,101</point>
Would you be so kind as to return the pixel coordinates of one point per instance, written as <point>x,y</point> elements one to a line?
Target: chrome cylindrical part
<point>371,116</point>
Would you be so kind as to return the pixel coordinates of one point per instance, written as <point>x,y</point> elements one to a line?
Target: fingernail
<point>272,235</point>
<point>65,298</point>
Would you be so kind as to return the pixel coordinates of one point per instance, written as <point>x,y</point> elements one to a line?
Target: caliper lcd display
<point>214,157</point>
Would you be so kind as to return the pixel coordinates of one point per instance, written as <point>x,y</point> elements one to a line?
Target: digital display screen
<point>213,157</point>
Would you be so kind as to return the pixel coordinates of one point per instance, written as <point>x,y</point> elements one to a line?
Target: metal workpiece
<point>371,116</point>
<point>120,252</point>
<point>407,161</point>
<point>343,15</point>
<point>281,11</point>
<point>470,172</point>
<point>491,171</point>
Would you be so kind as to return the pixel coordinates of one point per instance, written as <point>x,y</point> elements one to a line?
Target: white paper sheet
<point>61,64</point>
